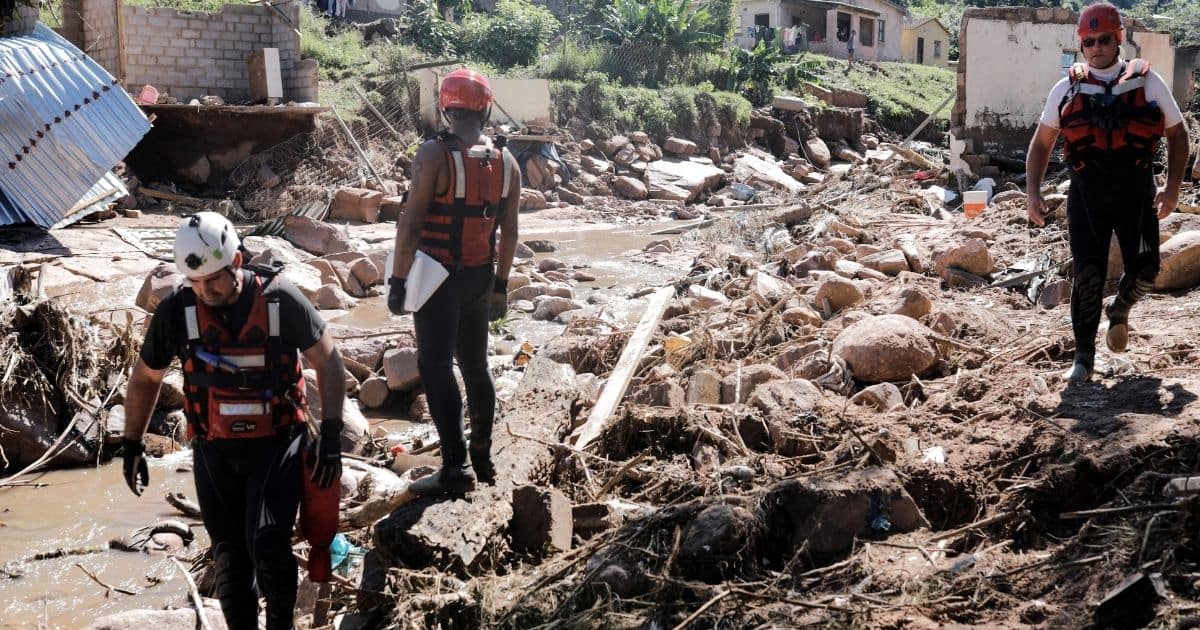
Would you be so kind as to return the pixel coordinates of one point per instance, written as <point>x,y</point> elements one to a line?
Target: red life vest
<point>1112,118</point>
<point>243,386</point>
<point>460,225</point>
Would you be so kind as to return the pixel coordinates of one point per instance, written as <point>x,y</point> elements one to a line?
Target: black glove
<point>137,473</point>
<point>498,302</point>
<point>328,452</point>
<point>396,295</point>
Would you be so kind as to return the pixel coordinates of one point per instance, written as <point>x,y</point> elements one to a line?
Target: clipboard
<point>424,277</point>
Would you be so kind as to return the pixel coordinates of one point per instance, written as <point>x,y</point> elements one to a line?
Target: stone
<point>802,315</point>
<point>534,290</point>
<point>595,166</point>
<point>548,307</point>
<point>532,200</point>
<point>131,213</point>
<point>764,172</point>
<point>911,302</point>
<point>838,293</point>
<point>881,396</point>
<point>862,251</point>
<point>325,267</point>
<point>569,196</point>
<point>817,152</point>
<point>718,538</point>
<point>542,521</point>
<point>549,264</point>
<point>679,146</point>
<point>630,188</point>
<point>159,284</point>
<point>315,237</point>
<point>704,388</point>
<point>1008,195</point>
<point>890,262</point>
<point>972,257</point>
<point>639,137</point>
<point>785,398</point>
<point>365,271</point>
<point>179,619</point>
<point>1180,266</point>
<point>847,268</point>
<point>735,389</point>
<point>400,369</point>
<point>661,394</point>
<point>706,298</point>
<point>665,178</point>
<point>523,251</point>
<point>829,515</point>
<point>373,392</point>
<point>332,297</point>
<point>613,145</point>
<point>356,204</point>
<point>662,246</point>
<point>886,348</point>
<point>390,208</point>
<point>582,276</point>
<point>1055,293</point>
<point>769,287</point>
<point>304,276</point>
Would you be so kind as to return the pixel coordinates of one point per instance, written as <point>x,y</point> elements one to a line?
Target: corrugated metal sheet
<point>64,123</point>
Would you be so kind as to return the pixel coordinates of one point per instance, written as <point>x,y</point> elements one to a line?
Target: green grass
<point>210,6</point>
<point>341,56</point>
<point>896,90</point>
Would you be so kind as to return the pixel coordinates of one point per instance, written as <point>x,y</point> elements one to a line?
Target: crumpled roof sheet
<point>64,123</point>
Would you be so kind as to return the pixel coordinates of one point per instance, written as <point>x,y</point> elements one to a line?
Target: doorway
<point>920,50</point>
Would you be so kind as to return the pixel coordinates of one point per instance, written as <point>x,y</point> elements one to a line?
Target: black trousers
<point>1104,201</point>
<point>453,323</point>
<point>249,491</point>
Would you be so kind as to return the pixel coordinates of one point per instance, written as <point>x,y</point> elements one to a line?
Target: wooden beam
<point>618,381</point>
<point>122,56</point>
<point>172,197</point>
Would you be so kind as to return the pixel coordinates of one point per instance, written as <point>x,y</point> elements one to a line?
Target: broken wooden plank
<point>137,243</point>
<point>174,198</point>
<point>459,532</point>
<point>618,381</point>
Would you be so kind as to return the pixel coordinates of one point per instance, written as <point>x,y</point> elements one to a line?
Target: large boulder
<point>315,237</point>
<point>838,293</point>
<point>303,276</point>
<point>356,204</point>
<point>972,257</point>
<point>630,188</point>
<point>694,175</point>
<point>679,146</point>
<point>888,261</point>
<point>779,399</point>
<point>886,348</point>
<point>1180,262</point>
<point>751,376</point>
<point>762,172</point>
<point>817,152</point>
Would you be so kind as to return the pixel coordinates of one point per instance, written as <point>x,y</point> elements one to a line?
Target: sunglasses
<point>1103,40</point>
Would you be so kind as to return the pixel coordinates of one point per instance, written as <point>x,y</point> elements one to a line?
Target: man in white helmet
<point>239,334</point>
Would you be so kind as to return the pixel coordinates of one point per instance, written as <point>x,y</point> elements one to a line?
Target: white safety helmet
<point>205,244</point>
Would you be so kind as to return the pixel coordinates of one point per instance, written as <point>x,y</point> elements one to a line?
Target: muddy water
<point>81,508</point>
<point>86,508</point>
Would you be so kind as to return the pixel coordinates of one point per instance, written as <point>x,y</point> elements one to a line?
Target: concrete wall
<point>189,54</point>
<point>932,31</point>
<point>745,13</point>
<point>527,100</point>
<point>893,18</point>
<point>1009,58</point>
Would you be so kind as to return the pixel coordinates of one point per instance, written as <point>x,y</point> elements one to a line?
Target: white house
<point>824,26</point>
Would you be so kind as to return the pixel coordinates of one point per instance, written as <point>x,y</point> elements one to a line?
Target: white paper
<point>424,277</point>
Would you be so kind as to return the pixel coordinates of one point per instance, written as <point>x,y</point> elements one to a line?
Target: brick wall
<point>189,54</point>
<point>72,22</point>
<point>100,34</point>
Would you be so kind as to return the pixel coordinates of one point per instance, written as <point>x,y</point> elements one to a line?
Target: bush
<point>429,31</point>
<point>336,53</point>
<point>570,62</point>
<point>515,35</point>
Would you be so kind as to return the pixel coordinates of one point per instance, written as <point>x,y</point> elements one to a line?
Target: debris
<point>886,348</point>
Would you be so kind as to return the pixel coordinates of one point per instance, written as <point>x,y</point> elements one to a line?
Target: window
<point>881,31</point>
<point>937,48</point>
<point>866,33</point>
<point>843,27</point>
<point>762,19</point>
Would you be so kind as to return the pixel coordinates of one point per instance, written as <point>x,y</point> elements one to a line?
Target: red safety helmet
<point>465,89</point>
<point>1100,18</point>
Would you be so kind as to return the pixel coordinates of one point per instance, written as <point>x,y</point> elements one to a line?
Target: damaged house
<point>1009,58</point>
<point>824,26</point>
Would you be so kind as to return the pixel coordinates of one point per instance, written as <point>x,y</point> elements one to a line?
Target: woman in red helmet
<point>1111,113</point>
<point>464,188</point>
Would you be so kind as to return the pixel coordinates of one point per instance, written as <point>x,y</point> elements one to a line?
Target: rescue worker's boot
<point>480,449</point>
<point>448,480</point>
<point>1128,294</point>
<point>1081,369</point>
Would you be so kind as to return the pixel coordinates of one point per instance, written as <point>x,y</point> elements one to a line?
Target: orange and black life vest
<point>1112,118</point>
<point>245,385</point>
<point>460,225</point>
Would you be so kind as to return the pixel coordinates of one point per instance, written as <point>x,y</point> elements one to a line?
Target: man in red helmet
<point>464,187</point>
<point>1111,113</point>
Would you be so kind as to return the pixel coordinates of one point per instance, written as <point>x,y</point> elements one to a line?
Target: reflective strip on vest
<point>273,318</point>
<point>193,326</point>
<point>244,409</point>
<point>247,360</point>
<point>504,187</point>
<point>460,176</point>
